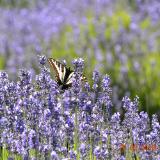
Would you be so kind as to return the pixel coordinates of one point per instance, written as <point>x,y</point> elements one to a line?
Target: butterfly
<point>64,75</point>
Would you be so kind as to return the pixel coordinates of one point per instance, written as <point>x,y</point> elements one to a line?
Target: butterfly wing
<point>59,69</point>
<point>69,79</point>
<point>64,76</point>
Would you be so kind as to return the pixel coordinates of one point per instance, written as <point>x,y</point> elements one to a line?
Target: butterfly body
<point>64,75</point>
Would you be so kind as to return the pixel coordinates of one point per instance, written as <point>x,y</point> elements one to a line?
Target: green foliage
<point>151,87</point>
<point>4,154</point>
<point>122,18</point>
<point>114,22</point>
<point>14,3</point>
<point>62,46</point>
<point>145,23</point>
<point>144,83</point>
<point>2,62</point>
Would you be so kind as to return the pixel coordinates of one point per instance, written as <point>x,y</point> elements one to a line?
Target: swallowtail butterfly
<point>64,75</point>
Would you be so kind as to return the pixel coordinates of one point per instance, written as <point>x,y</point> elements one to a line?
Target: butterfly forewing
<point>59,68</point>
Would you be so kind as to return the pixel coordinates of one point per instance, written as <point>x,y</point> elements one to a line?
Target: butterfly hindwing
<point>70,78</point>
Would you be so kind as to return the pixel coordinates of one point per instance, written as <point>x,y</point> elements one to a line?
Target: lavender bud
<point>42,60</point>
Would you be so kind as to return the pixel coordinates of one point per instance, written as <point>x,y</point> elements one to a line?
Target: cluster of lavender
<point>38,120</point>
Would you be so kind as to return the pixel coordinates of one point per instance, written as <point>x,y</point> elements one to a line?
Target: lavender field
<point>114,114</point>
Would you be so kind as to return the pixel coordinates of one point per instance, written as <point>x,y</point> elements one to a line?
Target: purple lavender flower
<point>54,155</point>
<point>83,150</point>
<point>72,155</point>
<point>42,60</point>
<point>97,152</point>
<point>25,77</point>
<point>33,139</point>
<point>96,76</point>
<point>78,64</point>
<point>36,117</point>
